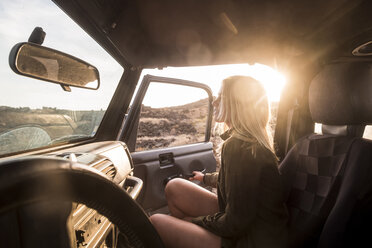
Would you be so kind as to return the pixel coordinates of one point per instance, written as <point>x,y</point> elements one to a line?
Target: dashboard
<point>112,158</point>
<point>85,226</point>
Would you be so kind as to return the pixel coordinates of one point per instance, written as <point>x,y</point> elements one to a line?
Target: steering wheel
<point>39,178</point>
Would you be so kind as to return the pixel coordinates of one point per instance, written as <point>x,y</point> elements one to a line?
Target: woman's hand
<point>198,176</point>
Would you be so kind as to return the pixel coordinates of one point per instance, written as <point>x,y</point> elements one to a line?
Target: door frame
<point>129,132</point>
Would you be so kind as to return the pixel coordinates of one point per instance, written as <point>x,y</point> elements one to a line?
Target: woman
<point>248,210</point>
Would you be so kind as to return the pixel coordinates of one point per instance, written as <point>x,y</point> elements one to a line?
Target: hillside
<point>171,126</point>
<point>179,125</point>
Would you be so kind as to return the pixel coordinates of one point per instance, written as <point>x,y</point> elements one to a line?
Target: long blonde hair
<point>244,107</point>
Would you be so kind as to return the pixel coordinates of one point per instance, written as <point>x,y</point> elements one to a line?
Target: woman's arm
<point>242,179</point>
<point>209,179</point>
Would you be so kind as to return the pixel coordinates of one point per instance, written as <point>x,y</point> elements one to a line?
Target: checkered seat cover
<point>349,222</point>
<point>311,171</point>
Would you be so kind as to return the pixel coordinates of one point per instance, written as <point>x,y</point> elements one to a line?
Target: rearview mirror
<point>50,65</point>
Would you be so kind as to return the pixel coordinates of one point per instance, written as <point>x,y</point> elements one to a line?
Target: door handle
<point>166,159</point>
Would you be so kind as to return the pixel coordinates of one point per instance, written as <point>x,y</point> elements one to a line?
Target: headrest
<point>341,94</point>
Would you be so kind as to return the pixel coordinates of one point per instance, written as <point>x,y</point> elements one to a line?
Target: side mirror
<point>32,60</point>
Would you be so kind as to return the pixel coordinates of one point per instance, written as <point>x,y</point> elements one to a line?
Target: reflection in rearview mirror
<point>51,65</point>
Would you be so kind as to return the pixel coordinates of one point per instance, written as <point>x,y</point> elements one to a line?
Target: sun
<point>272,80</point>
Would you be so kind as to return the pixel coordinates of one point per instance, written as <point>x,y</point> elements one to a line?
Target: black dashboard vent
<point>107,167</point>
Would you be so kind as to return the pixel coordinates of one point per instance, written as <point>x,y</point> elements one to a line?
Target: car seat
<point>349,221</point>
<point>320,167</point>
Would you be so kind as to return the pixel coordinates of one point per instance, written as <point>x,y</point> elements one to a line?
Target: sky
<point>19,17</point>
<point>272,80</point>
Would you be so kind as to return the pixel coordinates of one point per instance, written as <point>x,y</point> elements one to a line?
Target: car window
<point>172,115</point>
<point>34,113</point>
<point>368,132</point>
<point>318,128</point>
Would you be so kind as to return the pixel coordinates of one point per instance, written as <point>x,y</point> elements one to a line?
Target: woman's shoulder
<point>236,147</point>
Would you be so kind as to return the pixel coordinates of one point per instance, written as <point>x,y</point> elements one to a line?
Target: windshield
<point>35,113</point>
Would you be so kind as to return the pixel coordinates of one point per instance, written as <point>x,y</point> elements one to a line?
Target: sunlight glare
<point>272,80</point>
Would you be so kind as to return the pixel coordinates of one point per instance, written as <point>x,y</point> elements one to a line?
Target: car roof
<point>149,34</point>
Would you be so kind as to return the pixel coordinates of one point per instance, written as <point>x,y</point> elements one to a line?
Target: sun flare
<point>272,80</point>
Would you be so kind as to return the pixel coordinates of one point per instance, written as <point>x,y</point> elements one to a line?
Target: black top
<point>252,212</point>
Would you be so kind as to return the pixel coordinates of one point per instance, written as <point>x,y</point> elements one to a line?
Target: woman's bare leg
<point>186,199</point>
<point>179,233</point>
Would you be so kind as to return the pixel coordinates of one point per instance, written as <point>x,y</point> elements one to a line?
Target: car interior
<point>93,178</point>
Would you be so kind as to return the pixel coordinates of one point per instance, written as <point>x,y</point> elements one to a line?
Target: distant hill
<point>171,126</point>
<point>178,125</point>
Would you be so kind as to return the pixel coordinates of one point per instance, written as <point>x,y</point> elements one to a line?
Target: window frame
<point>129,132</point>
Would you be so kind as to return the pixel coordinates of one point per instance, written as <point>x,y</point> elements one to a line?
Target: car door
<point>168,132</point>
